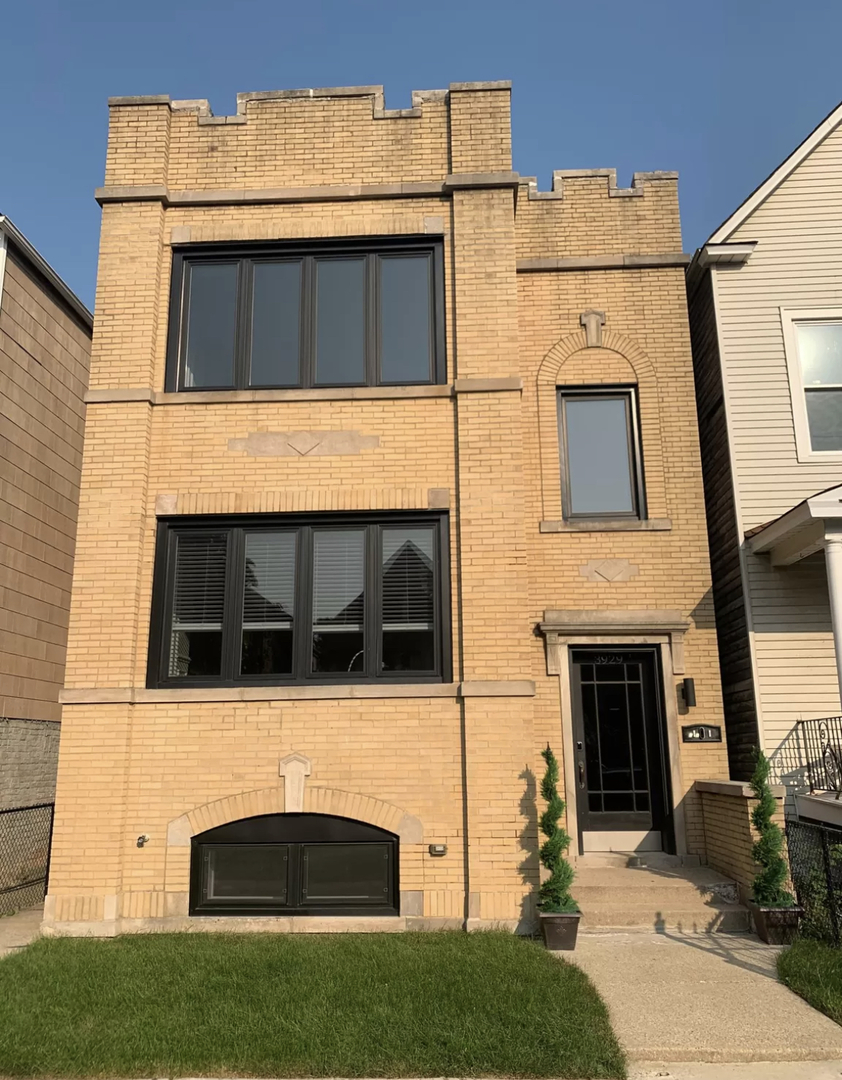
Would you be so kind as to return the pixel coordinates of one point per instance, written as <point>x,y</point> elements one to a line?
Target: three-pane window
<point>600,453</point>
<point>286,316</point>
<point>335,598</point>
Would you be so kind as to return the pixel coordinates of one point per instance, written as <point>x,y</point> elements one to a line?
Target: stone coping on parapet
<point>637,189</point>
<point>201,106</point>
<point>131,695</point>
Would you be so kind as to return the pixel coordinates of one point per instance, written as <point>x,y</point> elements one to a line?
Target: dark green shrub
<point>554,895</point>
<point>768,887</point>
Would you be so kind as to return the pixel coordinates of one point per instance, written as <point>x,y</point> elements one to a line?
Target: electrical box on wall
<point>701,733</point>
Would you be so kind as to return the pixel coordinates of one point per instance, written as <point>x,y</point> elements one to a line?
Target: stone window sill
<point>606,525</point>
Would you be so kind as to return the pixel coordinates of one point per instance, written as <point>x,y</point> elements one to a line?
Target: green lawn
<point>814,970</point>
<point>403,1005</point>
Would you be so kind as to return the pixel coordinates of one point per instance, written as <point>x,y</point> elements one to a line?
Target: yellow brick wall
<point>465,767</point>
<point>729,836</point>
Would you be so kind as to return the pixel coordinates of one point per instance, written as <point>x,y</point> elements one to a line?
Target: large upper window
<point>814,356</point>
<point>600,453</point>
<point>344,314</point>
<point>273,600</point>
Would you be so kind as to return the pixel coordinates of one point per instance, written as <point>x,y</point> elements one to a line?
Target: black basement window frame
<point>274,600</point>
<point>627,464</point>
<point>363,279</point>
<point>294,864</point>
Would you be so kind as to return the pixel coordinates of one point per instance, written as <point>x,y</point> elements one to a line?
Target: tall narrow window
<point>405,330</point>
<point>340,321</point>
<point>338,600</point>
<point>275,316</point>
<point>210,338</point>
<point>601,468</point>
<point>268,603</point>
<point>198,605</point>
<point>408,626</point>
<point>820,357</point>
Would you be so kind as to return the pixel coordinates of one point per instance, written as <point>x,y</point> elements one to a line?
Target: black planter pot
<point>560,929</point>
<point>775,925</point>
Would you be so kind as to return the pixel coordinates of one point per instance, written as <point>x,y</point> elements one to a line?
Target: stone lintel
<point>604,262</point>
<point>600,621</point>
<point>487,386</point>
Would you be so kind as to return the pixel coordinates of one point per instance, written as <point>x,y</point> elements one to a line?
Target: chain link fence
<point>25,836</point>
<point>815,861</point>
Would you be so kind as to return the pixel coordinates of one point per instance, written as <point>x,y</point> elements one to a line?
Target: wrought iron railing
<point>821,743</point>
<point>815,863</point>
<point>26,833</point>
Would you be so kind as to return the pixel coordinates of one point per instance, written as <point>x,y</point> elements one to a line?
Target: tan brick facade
<point>450,764</point>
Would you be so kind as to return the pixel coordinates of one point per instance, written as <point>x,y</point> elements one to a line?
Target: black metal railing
<point>821,744</point>
<point>26,833</point>
<point>815,863</point>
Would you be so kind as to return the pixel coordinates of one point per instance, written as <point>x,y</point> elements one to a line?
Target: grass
<point>407,1005</point>
<point>814,971</point>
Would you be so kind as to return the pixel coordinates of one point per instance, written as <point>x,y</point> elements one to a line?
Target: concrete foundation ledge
<point>736,788</point>
<point>263,924</point>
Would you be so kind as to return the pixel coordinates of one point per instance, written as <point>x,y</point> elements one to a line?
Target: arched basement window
<point>294,864</point>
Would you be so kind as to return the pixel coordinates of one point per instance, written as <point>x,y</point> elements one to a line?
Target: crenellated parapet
<point>282,139</point>
<point>586,215</point>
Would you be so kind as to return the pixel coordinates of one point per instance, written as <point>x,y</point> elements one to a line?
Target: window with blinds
<point>325,598</point>
<point>198,605</point>
<point>408,590</point>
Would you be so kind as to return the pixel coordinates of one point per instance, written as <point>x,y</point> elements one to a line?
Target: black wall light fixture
<point>688,693</point>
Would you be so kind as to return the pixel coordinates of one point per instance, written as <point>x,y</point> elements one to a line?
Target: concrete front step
<point>705,919</point>
<point>690,900</point>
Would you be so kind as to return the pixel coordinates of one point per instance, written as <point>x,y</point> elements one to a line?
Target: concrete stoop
<point>661,895</point>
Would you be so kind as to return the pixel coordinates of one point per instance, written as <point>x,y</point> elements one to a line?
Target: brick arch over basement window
<point>317,800</point>
<point>619,360</point>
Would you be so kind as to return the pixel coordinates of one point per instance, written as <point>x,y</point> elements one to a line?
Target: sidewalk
<point>19,929</point>
<point>704,998</point>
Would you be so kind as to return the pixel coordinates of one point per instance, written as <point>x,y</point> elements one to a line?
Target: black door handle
<point>581,774</point>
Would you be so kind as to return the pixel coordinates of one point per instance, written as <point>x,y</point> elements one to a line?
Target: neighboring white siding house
<point>765,297</point>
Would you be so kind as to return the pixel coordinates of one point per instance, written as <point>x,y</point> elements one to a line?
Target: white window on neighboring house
<point>813,340</point>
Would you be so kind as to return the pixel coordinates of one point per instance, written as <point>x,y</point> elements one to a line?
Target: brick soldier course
<point>581,286</point>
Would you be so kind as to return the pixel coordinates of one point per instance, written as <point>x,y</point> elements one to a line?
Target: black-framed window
<point>345,313</point>
<point>294,864</point>
<point>601,460</point>
<point>267,600</point>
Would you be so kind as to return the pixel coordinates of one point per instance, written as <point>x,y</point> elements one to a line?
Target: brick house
<point>45,345</point>
<point>391,478</point>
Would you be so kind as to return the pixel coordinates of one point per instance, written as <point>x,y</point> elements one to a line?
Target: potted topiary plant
<point>772,907</point>
<point>557,909</point>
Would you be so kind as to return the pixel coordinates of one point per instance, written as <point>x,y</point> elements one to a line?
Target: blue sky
<point>721,91</point>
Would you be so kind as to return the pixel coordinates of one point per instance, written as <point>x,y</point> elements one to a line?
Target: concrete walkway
<point>760,1070</point>
<point>703,998</point>
<point>19,929</point>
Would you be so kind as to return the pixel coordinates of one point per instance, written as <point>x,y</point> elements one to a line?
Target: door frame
<point>658,753</point>
<point>565,630</point>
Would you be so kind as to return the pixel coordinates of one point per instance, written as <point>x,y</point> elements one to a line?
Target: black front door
<point>622,779</point>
